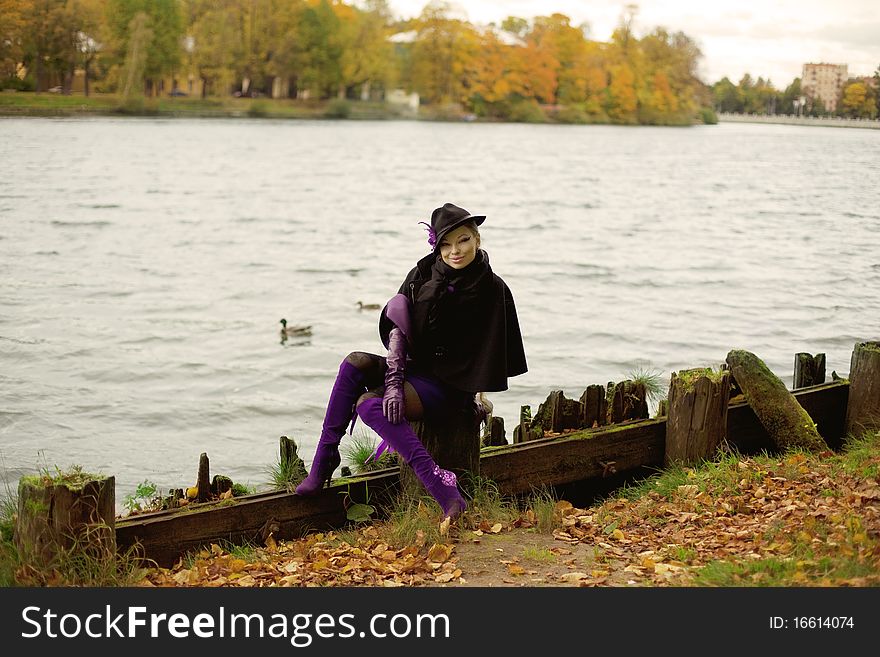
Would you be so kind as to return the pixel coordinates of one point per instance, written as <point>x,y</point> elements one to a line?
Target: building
<point>824,82</point>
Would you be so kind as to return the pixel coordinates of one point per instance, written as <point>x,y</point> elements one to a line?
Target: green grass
<point>46,104</point>
<point>285,476</point>
<point>486,502</point>
<point>543,504</point>
<point>358,452</point>
<point>412,522</point>
<point>656,384</point>
<point>541,555</point>
<point>145,497</point>
<point>860,456</point>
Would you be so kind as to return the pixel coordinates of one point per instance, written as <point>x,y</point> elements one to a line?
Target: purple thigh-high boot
<point>340,410</point>
<point>440,483</point>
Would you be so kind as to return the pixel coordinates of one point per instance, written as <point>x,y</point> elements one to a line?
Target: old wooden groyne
<point>592,454</point>
<point>577,447</point>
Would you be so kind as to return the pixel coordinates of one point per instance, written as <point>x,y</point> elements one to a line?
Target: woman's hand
<point>393,406</point>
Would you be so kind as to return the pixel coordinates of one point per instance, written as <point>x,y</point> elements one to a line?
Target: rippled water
<point>144,265</point>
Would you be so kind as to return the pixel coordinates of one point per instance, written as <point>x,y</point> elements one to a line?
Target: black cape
<point>465,330</point>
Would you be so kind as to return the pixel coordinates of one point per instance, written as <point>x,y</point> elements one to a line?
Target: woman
<point>451,332</point>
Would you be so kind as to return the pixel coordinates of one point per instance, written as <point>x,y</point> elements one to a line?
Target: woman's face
<point>458,248</point>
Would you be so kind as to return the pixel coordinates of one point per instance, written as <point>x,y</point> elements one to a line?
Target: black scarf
<point>465,327</point>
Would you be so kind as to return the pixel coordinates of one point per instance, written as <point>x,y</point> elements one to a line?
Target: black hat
<point>447,218</point>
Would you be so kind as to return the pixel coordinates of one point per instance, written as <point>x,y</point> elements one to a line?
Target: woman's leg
<point>440,483</point>
<point>356,372</point>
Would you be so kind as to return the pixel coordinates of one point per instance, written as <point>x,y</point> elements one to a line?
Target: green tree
<point>214,33</point>
<point>727,96</point>
<point>164,20</point>
<point>139,41</point>
<point>789,97</point>
<point>320,50</point>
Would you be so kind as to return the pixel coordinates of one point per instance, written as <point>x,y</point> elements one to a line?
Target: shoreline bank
<point>788,119</point>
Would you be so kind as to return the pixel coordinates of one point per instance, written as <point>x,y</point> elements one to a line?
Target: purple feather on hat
<point>432,236</point>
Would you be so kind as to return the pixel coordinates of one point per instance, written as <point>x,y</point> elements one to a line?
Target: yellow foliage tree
<point>622,102</point>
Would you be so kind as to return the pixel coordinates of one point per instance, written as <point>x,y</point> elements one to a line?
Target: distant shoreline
<point>43,104</point>
<point>826,121</point>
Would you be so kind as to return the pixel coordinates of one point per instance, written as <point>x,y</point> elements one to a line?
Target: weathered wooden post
<point>558,413</point>
<point>697,420</point>
<point>663,407</point>
<point>453,442</point>
<point>594,407</point>
<point>808,370</point>
<point>203,482</point>
<point>786,422</point>
<point>863,409</point>
<point>290,461</point>
<point>494,434</point>
<point>526,430</point>
<point>627,400</point>
<point>70,514</point>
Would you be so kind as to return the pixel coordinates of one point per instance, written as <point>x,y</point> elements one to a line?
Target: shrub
<point>707,115</point>
<point>258,109</point>
<point>338,109</point>
<point>526,111</point>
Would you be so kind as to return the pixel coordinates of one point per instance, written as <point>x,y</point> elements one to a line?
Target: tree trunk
<point>808,370</point>
<point>58,517</point>
<point>454,443</point>
<point>863,410</point>
<point>697,420</point>
<point>787,423</point>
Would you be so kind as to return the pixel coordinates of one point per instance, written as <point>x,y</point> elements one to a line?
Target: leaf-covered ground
<point>797,520</point>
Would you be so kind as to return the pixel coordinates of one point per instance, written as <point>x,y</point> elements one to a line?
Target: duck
<point>368,306</point>
<point>294,331</point>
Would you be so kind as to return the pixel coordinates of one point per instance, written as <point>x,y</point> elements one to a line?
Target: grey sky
<point>768,38</point>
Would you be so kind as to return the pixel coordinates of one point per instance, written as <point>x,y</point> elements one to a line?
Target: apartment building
<point>824,82</point>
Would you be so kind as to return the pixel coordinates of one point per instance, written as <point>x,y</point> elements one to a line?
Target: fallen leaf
<point>439,552</point>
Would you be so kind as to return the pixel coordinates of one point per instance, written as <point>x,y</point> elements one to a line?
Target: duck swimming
<point>294,331</point>
<point>368,306</point>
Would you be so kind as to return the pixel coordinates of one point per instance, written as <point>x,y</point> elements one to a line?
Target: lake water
<point>145,264</point>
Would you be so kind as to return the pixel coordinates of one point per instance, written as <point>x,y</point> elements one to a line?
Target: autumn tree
<point>621,102</point>
<point>443,50</point>
<point>366,55</point>
<point>213,28</point>
<point>565,44</point>
<point>13,36</point>
<point>856,101</point>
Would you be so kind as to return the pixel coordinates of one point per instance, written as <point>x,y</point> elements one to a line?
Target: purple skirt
<point>437,397</point>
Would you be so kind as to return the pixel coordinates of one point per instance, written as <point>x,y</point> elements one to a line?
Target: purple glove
<point>392,401</point>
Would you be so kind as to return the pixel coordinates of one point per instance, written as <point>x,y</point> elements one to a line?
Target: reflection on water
<point>141,286</point>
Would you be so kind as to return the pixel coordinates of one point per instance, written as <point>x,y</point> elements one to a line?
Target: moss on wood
<point>787,423</point>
